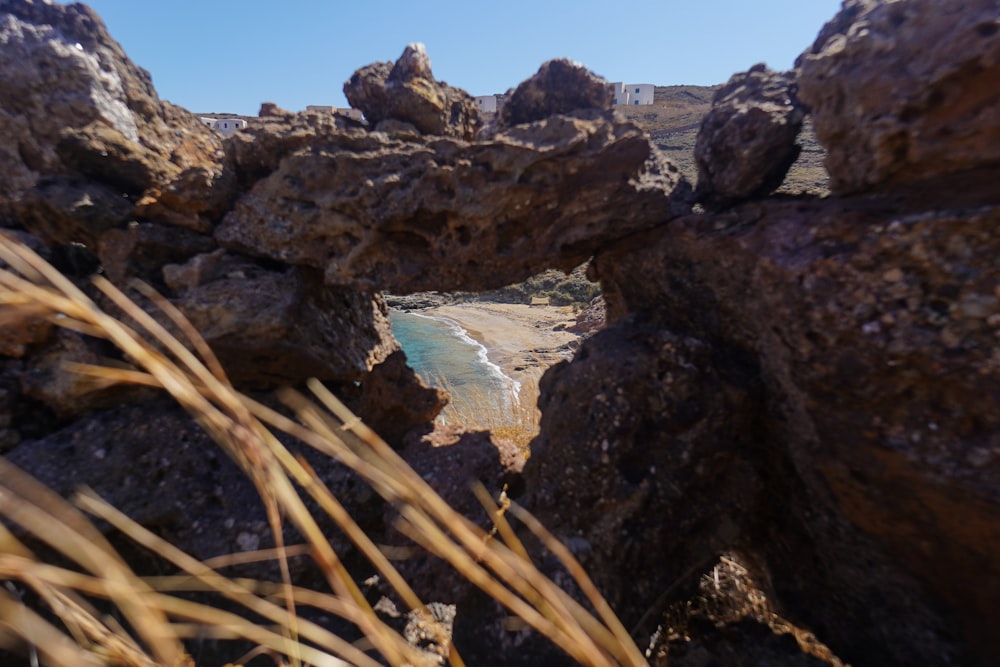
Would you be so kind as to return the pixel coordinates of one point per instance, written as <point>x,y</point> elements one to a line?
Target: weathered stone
<point>19,331</point>
<point>452,462</point>
<point>17,334</point>
<point>901,91</point>
<point>873,324</point>
<point>50,380</point>
<point>142,249</point>
<point>643,465</point>
<point>381,213</point>
<point>559,87</point>
<point>70,209</point>
<point>747,141</point>
<point>157,465</point>
<point>812,382</point>
<point>408,92</point>
<point>73,105</point>
<point>270,328</point>
<point>395,401</point>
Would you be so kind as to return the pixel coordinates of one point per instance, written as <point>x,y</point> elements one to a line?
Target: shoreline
<point>522,340</point>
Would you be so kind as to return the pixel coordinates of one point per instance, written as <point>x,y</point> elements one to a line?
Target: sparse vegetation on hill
<point>561,289</point>
<point>673,121</point>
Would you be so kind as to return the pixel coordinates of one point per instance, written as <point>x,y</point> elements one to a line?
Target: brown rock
<point>271,328</point>
<point>408,92</point>
<point>142,249</point>
<point>452,462</point>
<point>49,378</point>
<point>381,213</point>
<point>559,87</point>
<point>19,331</point>
<point>867,322</point>
<point>643,465</point>
<point>394,400</point>
<point>901,91</point>
<point>747,141</point>
<point>73,108</point>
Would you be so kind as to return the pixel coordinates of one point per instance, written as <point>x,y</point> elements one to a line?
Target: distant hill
<point>672,122</point>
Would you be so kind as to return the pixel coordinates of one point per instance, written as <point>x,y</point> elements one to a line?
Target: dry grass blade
<point>52,520</point>
<point>500,568</point>
<point>55,647</point>
<point>431,516</point>
<point>621,635</point>
<point>213,580</point>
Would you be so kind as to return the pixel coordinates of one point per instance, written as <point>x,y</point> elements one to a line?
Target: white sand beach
<point>522,340</point>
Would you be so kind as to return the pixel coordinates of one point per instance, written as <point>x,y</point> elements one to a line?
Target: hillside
<point>672,122</point>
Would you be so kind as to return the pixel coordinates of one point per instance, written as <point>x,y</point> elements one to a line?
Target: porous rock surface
<point>904,90</point>
<point>84,139</point>
<point>747,141</point>
<point>559,86</point>
<point>407,91</point>
<point>407,214</point>
<point>813,383</point>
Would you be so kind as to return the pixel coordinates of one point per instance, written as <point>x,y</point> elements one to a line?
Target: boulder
<point>273,327</point>
<point>747,141</point>
<point>644,463</point>
<point>375,211</point>
<point>78,116</point>
<point>142,249</point>
<point>407,91</point>
<point>901,91</point>
<point>560,86</point>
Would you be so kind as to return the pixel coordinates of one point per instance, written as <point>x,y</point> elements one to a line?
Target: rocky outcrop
<point>560,86</point>
<point>642,438</point>
<point>407,92</point>
<point>868,326</point>
<point>867,334</point>
<point>378,211</point>
<point>810,382</point>
<point>747,141</point>
<point>901,91</point>
<point>85,141</point>
<point>103,176</point>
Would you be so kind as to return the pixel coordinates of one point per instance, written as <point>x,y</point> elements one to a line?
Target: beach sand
<point>522,340</point>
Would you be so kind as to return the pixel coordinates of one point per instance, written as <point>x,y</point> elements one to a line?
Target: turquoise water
<point>443,354</point>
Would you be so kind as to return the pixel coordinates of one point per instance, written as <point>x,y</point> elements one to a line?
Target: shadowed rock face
<point>870,325</point>
<point>813,382</point>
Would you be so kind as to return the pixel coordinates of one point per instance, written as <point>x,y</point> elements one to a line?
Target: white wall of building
<point>640,93</point>
<point>633,93</point>
<point>487,103</point>
<point>621,94</point>
<point>225,126</point>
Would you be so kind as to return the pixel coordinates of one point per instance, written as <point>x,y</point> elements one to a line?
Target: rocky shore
<point>810,382</point>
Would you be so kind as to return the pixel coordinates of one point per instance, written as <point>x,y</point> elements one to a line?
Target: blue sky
<point>226,56</point>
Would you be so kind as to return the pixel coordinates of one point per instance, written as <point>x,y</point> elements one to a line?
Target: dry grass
<point>68,630</point>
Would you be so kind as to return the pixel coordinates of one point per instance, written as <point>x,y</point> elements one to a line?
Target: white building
<point>487,103</point>
<point>633,93</point>
<point>225,126</point>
